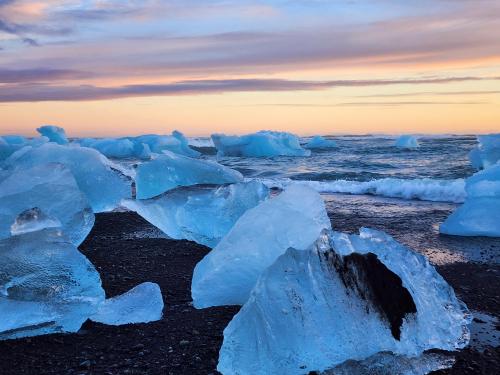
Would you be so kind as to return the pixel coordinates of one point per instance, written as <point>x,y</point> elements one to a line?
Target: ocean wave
<point>426,189</point>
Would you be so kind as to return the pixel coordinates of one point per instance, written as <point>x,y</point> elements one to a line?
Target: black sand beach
<point>186,340</point>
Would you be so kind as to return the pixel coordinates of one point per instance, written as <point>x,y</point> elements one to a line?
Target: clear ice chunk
<point>346,298</point>
<point>169,171</point>
<point>50,189</point>
<point>104,186</point>
<point>227,274</point>
<point>487,152</point>
<point>260,144</point>
<point>33,220</point>
<point>46,285</point>
<point>141,304</point>
<point>199,214</point>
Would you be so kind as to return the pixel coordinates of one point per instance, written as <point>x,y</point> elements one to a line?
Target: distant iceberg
<point>320,142</point>
<point>9,144</point>
<point>93,172</point>
<point>227,274</point>
<point>261,144</point>
<point>169,171</point>
<point>203,215</point>
<point>480,213</point>
<point>54,134</point>
<point>487,152</point>
<point>406,141</point>
<point>348,297</point>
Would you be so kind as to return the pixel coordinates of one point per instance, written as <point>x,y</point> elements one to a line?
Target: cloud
<point>26,92</point>
<point>39,75</point>
<point>432,93</point>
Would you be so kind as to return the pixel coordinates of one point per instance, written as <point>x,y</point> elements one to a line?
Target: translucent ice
<point>9,144</point>
<point>141,304</point>
<point>320,142</point>
<point>50,189</point>
<point>199,214</point>
<point>54,134</point>
<point>348,297</point>
<point>480,213</point>
<point>487,152</point>
<point>176,143</point>
<point>406,141</point>
<point>261,144</point>
<point>169,170</point>
<point>227,274</point>
<point>31,220</point>
<point>103,186</point>
<point>46,285</point>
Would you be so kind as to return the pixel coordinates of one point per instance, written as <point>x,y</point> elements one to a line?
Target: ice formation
<point>103,186</point>
<point>54,134</point>
<point>406,141</point>
<point>199,214</point>
<point>46,285</point>
<point>427,189</point>
<point>169,170</point>
<point>141,304</point>
<point>347,297</point>
<point>51,189</point>
<point>9,144</point>
<point>487,152</point>
<point>176,143</point>
<point>260,144</point>
<point>480,213</point>
<point>320,142</point>
<point>227,274</point>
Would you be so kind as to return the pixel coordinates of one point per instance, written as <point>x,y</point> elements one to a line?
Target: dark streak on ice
<point>376,284</point>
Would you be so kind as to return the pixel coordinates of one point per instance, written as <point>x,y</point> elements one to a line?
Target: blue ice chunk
<point>169,170</point>
<point>260,144</point>
<point>487,152</point>
<point>406,141</point>
<point>227,274</point>
<point>200,214</point>
<point>320,142</point>
<point>54,134</point>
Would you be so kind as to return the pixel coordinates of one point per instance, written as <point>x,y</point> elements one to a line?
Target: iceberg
<point>200,214</point>
<point>9,144</point>
<point>103,186</point>
<point>169,171</point>
<point>346,298</point>
<point>260,144</point>
<point>176,143</point>
<point>141,304</point>
<point>487,152</point>
<point>35,189</point>
<point>46,284</point>
<point>227,274</point>
<point>54,134</point>
<point>407,141</point>
<point>480,213</point>
<point>320,142</point>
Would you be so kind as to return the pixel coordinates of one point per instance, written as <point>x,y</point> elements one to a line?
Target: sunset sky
<point>118,67</point>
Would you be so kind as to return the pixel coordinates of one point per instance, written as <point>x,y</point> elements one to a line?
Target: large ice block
<point>54,134</point>
<point>480,213</point>
<point>46,285</point>
<point>176,143</point>
<point>487,152</point>
<point>141,304</point>
<point>200,214</point>
<point>346,298</point>
<point>318,142</point>
<point>260,144</point>
<point>169,170</point>
<point>9,144</point>
<point>226,275</point>
<point>406,141</point>
<point>103,186</point>
<point>52,189</point>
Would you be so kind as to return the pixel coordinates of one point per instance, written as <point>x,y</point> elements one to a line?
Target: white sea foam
<point>421,188</point>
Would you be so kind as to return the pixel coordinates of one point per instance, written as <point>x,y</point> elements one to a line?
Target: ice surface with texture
<point>141,304</point>
<point>46,285</point>
<point>9,144</point>
<point>347,297</point>
<point>406,141</point>
<point>480,213</point>
<point>103,186</point>
<point>487,152</point>
<point>176,143</point>
<point>200,214</point>
<point>260,144</point>
<point>52,189</point>
<point>169,171</point>
<point>53,133</point>
<point>320,142</point>
<point>227,274</point>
